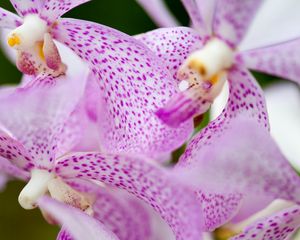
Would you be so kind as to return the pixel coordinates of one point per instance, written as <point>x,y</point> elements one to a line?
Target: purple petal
<point>281,60</point>
<point>232,19</point>
<point>245,159</point>
<point>207,9</point>
<point>279,226</point>
<point>64,235</point>
<point>218,207</point>
<point>195,15</point>
<point>24,7</point>
<point>54,9</point>
<point>14,151</point>
<point>245,98</point>
<point>173,45</point>
<point>159,12</point>
<point>183,107</point>
<point>79,225</point>
<point>9,20</point>
<point>134,83</point>
<point>3,180</point>
<point>175,202</point>
<point>123,214</point>
<point>12,170</point>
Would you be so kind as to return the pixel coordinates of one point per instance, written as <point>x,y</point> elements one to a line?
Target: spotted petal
<point>9,20</point>
<point>134,83</point>
<point>207,9</point>
<point>279,226</point>
<point>195,15</point>
<point>232,19</point>
<point>282,60</point>
<point>175,202</point>
<point>79,225</point>
<point>159,12</point>
<point>173,45</point>
<point>24,7</point>
<point>245,159</point>
<point>54,9</point>
<point>245,98</point>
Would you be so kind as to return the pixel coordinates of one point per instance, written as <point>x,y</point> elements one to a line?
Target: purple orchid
<point>205,58</point>
<point>132,81</point>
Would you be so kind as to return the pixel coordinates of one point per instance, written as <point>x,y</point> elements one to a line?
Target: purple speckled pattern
<point>246,160</point>
<point>24,7</point>
<point>245,98</point>
<point>135,83</point>
<point>172,45</point>
<point>15,152</point>
<point>53,9</point>
<point>9,20</point>
<point>120,212</point>
<point>279,226</point>
<point>281,60</point>
<point>77,223</point>
<point>232,19</point>
<point>195,15</point>
<point>10,169</point>
<point>173,200</point>
<point>218,208</point>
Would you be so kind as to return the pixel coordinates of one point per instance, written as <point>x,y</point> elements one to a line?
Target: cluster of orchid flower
<point>93,123</point>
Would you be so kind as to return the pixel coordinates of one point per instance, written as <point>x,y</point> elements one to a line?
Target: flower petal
<point>10,169</point>
<point>283,102</point>
<point>14,151</point>
<point>245,159</point>
<point>123,214</point>
<point>79,225</point>
<point>279,226</point>
<point>173,45</point>
<point>207,9</point>
<point>9,20</point>
<point>173,200</point>
<point>3,180</point>
<point>245,99</point>
<point>195,15</point>
<point>64,235</point>
<point>232,19</point>
<point>54,9</point>
<point>134,83</point>
<point>24,7</point>
<point>37,113</point>
<point>281,60</point>
<point>159,13</point>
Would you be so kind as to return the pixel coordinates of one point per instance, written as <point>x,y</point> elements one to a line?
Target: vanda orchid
<point>205,57</point>
<point>132,81</point>
<point>36,140</point>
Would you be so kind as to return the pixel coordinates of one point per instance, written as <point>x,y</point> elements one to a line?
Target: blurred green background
<point>124,15</point>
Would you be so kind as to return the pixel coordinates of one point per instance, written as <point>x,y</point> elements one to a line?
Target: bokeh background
<point>124,15</point>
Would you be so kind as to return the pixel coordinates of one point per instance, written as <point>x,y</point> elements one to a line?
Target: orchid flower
<point>204,58</point>
<point>37,138</point>
<point>131,78</point>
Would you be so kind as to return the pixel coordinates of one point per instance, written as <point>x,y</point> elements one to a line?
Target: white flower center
<point>207,67</point>
<point>28,34</point>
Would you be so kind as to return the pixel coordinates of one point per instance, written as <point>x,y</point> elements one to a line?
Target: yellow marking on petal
<point>40,46</point>
<point>198,66</point>
<point>224,233</point>
<point>13,40</point>
<point>215,79</point>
